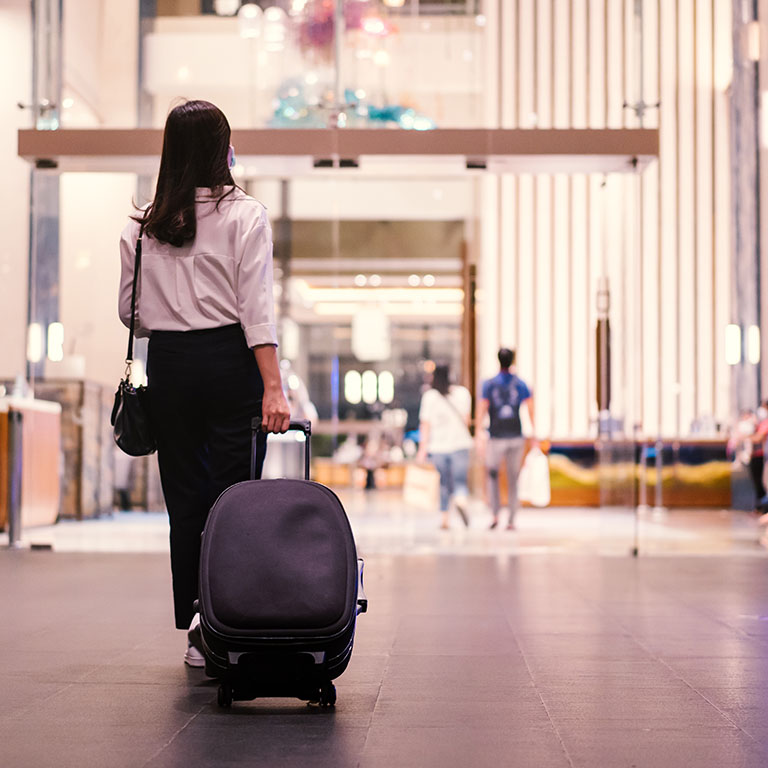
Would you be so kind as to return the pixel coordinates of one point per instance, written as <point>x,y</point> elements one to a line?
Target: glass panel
<point>411,66</point>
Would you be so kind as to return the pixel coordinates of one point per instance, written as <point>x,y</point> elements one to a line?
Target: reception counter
<point>39,424</point>
<point>692,473</point>
<point>589,473</point>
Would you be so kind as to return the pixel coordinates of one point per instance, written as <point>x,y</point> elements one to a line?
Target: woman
<point>205,300</point>
<point>444,436</point>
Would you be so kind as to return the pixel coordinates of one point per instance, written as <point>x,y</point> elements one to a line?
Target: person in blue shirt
<point>502,398</point>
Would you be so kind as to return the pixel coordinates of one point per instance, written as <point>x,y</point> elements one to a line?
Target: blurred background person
<point>445,439</point>
<point>502,397</point>
<point>757,459</point>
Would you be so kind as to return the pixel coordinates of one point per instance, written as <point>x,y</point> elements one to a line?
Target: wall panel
<point>721,209</point>
<point>543,330</point>
<point>578,97</point>
<point>704,220</point>
<point>596,78</point>
<point>544,64</point>
<point>686,184</point>
<point>669,381</point>
<point>526,64</point>
<point>526,262</point>
<point>580,302</point>
<point>651,360</point>
<point>663,239</point>
<point>561,63</point>
<point>507,278</point>
<point>562,359</point>
<point>615,63</point>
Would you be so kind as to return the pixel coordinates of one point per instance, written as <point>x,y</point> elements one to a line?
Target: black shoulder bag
<point>130,415</point>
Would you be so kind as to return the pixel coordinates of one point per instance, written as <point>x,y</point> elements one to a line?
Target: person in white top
<point>444,437</point>
<point>204,298</point>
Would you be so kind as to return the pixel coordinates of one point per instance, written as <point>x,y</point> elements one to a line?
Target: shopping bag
<point>421,487</point>
<point>533,482</point>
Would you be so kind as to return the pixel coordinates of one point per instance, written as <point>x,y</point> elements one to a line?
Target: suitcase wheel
<point>326,695</point>
<point>225,696</point>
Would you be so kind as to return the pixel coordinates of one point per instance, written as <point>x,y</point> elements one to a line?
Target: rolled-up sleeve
<point>127,260</point>
<point>255,301</point>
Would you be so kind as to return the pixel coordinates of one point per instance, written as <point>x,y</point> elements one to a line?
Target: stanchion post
<point>659,500</point>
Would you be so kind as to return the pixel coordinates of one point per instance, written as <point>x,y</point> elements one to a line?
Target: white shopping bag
<point>421,487</point>
<point>533,483</point>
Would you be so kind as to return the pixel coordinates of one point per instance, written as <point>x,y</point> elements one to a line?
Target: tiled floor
<point>545,661</point>
<point>383,524</point>
<point>480,649</point>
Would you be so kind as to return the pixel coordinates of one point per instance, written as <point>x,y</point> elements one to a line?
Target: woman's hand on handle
<point>275,413</point>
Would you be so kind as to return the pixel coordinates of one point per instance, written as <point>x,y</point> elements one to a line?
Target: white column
<point>15,86</point>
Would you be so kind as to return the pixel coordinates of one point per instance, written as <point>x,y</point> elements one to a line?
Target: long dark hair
<point>441,379</point>
<point>195,146</point>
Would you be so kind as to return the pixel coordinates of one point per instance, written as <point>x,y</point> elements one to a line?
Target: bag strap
<point>136,269</point>
<point>455,410</point>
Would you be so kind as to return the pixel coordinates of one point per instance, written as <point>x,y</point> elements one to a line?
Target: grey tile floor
<point>499,660</point>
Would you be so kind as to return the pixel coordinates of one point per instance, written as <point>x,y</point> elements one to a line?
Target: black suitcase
<point>280,588</point>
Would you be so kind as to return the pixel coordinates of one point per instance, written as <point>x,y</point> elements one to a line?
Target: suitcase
<point>280,588</point>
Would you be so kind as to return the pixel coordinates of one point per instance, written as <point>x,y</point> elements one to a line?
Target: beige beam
<point>550,150</point>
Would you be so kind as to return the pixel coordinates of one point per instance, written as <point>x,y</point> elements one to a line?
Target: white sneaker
<point>193,657</point>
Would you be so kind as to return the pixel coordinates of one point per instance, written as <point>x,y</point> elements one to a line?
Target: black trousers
<point>204,389</point>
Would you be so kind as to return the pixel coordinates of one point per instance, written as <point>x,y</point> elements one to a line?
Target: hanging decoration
<point>316,23</point>
<point>294,109</point>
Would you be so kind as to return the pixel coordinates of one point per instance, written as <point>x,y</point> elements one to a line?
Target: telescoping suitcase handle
<point>258,446</point>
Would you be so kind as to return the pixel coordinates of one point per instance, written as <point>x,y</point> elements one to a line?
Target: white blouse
<point>222,277</point>
<point>446,417</point>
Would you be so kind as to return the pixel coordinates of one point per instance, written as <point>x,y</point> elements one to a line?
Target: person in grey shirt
<point>502,398</point>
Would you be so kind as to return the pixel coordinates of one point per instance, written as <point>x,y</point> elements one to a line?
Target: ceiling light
<point>360,280</point>
<point>56,342</point>
<point>732,344</point>
<point>226,7</point>
<point>374,26</point>
<point>375,280</point>
<point>753,344</point>
<point>249,20</point>
<point>429,280</point>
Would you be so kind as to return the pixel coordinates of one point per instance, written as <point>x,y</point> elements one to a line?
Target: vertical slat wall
<point>662,238</point>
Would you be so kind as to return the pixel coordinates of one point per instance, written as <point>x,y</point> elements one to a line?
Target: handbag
<point>130,412</point>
